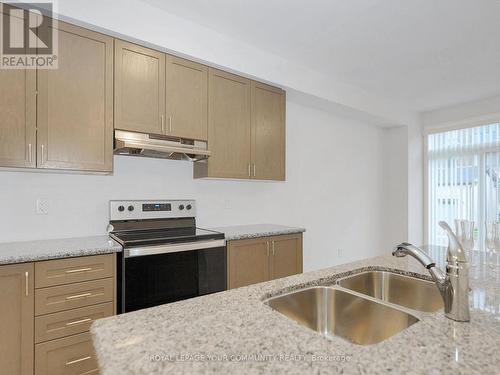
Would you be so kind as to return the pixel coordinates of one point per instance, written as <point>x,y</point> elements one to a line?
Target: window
<point>463,179</point>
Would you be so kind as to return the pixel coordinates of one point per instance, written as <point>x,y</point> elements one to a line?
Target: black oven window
<point>157,279</point>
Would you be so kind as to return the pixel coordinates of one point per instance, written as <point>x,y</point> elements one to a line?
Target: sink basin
<point>334,312</point>
<point>401,290</point>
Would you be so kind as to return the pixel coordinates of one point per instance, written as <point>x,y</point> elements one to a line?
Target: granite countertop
<point>32,251</point>
<point>241,232</point>
<point>234,332</point>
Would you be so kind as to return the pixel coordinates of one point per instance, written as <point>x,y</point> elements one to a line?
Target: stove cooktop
<point>164,236</point>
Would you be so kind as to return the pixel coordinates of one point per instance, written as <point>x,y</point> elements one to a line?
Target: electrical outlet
<point>339,253</point>
<point>227,204</point>
<point>42,206</point>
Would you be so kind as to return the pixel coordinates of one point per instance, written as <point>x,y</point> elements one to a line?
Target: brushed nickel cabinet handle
<point>267,243</point>
<point>249,170</point>
<point>79,296</point>
<point>42,157</point>
<point>30,153</point>
<point>170,124</point>
<point>78,322</point>
<point>77,360</point>
<point>254,169</point>
<point>162,124</point>
<point>273,247</point>
<point>26,281</point>
<point>79,270</point>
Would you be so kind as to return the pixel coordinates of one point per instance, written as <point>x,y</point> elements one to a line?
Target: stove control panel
<point>156,207</point>
<point>162,209</point>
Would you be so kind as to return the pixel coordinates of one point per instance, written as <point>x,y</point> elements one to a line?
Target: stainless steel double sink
<point>365,308</point>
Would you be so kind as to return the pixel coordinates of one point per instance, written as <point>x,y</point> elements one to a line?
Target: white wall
<point>335,188</point>
<point>415,188</point>
<point>395,217</point>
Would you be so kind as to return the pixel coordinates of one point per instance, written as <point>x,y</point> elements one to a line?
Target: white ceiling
<point>427,53</point>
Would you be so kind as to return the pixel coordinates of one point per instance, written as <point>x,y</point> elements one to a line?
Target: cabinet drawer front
<point>72,270</point>
<point>66,323</point>
<point>66,297</point>
<point>68,356</point>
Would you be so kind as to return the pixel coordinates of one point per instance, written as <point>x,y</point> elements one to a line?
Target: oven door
<point>155,275</point>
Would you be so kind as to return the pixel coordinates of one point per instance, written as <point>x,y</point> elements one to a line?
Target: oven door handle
<point>172,248</point>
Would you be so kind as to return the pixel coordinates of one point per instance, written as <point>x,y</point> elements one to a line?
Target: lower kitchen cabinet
<point>16,319</point>
<point>286,255</point>
<point>45,320</point>
<point>262,259</point>
<point>248,262</point>
<point>67,356</point>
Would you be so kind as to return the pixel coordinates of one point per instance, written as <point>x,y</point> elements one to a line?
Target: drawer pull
<point>79,270</point>
<point>79,296</point>
<point>26,284</point>
<point>77,360</point>
<point>78,322</point>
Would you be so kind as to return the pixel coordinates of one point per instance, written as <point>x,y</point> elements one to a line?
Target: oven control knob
<point>181,207</point>
<point>131,208</point>
<point>121,208</point>
<point>188,207</point>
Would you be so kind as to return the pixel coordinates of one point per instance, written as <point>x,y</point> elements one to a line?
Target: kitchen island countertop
<point>234,332</point>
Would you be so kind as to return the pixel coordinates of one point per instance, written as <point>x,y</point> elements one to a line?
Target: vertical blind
<point>463,179</point>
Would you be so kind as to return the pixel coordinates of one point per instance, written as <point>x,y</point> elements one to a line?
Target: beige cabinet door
<point>248,262</point>
<point>16,319</point>
<point>75,103</point>
<point>17,117</point>
<point>186,99</point>
<point>139,88</point>
<point>268,132</point>
<point>286,256</point>
<point>228,125</point>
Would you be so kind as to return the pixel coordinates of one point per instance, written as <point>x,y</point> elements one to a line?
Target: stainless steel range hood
<point>159,146</point>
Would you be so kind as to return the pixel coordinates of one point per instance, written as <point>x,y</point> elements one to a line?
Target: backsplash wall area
<point>340,203</point>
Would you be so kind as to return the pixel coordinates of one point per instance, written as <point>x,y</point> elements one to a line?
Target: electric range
<point>165,257</point>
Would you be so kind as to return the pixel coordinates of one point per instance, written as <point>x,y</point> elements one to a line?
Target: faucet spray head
<point>398,250</point>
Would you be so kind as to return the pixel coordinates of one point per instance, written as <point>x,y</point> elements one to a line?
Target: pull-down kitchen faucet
<point>454,285</point>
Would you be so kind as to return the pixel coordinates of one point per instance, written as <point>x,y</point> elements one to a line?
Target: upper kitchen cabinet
<point>18,118</point>
<point>75,103</point>
<point>246,129</point>
<point>229,134</point>
<point>186,99</point>
<point>268,132</point>
<point>139,89</point>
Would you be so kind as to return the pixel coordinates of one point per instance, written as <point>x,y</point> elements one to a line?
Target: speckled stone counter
<point>234,332</point>
<point>241,232</point>
<point>32,251</point>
